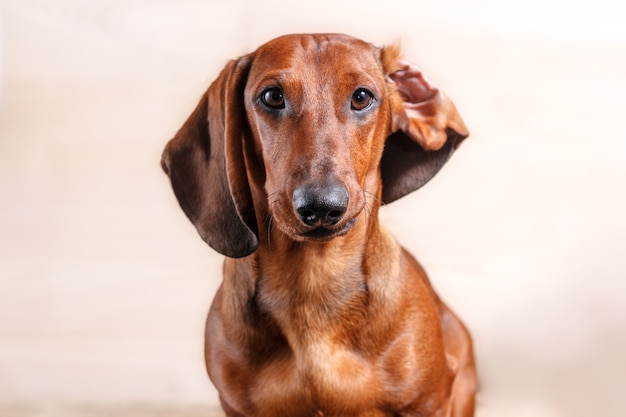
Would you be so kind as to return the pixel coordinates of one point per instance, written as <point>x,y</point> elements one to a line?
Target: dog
<point>282,168</point>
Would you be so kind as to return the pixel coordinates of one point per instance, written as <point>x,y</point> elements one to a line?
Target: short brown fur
<point>321,312</point>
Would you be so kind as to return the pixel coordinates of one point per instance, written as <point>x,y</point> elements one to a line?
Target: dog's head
<point>310,125</point>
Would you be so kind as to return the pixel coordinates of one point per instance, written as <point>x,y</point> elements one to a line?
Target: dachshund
<point>282,168</point>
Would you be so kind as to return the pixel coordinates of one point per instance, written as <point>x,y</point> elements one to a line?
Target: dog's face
<point>318,111</point>
<point>304,135</point>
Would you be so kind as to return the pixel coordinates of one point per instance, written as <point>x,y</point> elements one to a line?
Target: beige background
<point>104,284</point>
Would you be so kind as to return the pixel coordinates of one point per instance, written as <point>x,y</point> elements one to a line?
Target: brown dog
<point>283,165</point>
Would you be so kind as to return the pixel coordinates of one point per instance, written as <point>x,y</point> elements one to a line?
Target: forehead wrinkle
<point>357,67</point>
<point>313,54</point>
<point>282,63</point>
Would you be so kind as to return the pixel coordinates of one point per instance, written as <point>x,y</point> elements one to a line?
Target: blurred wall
<point>104,285</point>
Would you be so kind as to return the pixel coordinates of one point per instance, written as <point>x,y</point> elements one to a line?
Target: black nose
<point>322,205</point>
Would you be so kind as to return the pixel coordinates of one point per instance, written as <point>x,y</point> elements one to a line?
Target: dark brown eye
<point>273,98</point>
<point>361,99</point>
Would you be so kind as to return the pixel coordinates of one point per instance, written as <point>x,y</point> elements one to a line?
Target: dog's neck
<point>309,287</point>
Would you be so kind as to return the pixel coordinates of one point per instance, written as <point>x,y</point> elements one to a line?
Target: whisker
<point>273,200</point>
<point>269,221</point>
<point>373,197</point>
<point>367,207</point>
<point>368,211</point>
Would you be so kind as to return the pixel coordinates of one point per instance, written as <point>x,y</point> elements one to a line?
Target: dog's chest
<point>322,366</point>
<point>321,380</point>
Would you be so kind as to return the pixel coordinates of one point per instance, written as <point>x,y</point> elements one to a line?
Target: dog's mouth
<point>322,233</point>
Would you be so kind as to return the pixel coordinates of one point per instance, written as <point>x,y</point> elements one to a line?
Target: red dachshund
<point>282,167</point>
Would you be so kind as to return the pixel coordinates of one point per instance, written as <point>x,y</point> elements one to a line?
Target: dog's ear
<point>427,130</point>
<point>206,166</point>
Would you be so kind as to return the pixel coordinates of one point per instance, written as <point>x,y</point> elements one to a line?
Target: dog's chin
<point>323,234</point>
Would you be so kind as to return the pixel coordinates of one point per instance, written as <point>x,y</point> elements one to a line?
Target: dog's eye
<point>361,99</point>
<point>273,98</point>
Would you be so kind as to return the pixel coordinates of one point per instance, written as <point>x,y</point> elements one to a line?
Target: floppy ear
<point>206,166</point>
<point>428,129</point>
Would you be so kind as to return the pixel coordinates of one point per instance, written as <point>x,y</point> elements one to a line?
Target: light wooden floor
<point>104,284</point>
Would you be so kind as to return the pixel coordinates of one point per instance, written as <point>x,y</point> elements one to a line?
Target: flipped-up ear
<point>206,166</point>
<point>428,129</point>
